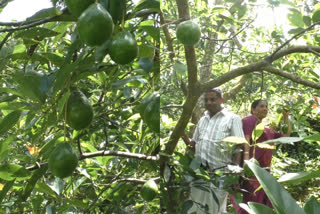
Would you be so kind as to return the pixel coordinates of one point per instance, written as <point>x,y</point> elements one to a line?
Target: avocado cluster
<point>95,26</point>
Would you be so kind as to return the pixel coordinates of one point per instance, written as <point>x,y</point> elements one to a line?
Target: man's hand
<point>187,141</point>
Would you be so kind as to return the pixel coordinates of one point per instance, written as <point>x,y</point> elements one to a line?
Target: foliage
<point>231,54</point>
<point>118,151</point>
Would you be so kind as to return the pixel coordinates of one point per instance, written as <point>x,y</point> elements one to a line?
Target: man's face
<point>261,110</point>
<point>212,102</point>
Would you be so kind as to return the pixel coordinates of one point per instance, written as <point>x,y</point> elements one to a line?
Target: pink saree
<point>264,157</point>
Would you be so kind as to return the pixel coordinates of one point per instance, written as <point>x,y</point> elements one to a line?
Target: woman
<point>259,110</point>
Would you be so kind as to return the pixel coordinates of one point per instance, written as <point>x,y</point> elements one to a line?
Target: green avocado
<point>79,110</point>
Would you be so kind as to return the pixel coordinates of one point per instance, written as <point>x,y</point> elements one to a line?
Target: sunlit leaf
<point>298,177</point>
<point>284,140</point>
<point>316,16</point>
<point>257,132</point>
<point>295,17</point>
<point>235,140</point>
<point>265,146</point>
<point>260,208</point>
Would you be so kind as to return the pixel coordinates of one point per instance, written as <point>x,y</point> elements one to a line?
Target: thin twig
<point>5,39</point>
<point>233,36</point>
<point>120,154</point>
<point>292,38</point>
<point>105,153</point>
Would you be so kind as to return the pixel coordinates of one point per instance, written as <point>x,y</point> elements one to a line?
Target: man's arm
<point>188,141</point>
<point>236,130</point>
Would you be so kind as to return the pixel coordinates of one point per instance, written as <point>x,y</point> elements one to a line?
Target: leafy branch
<point>29,24</point>
<point>294,37</point>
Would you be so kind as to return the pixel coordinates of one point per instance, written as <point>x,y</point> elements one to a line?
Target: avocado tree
<point>77,132</point>
<point>248,61</point>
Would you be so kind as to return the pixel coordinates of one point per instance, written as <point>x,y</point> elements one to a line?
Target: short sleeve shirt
<point>208,135</point>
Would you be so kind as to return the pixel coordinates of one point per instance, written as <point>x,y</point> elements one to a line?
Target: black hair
<point>255,103</point>
<point>216,90</point>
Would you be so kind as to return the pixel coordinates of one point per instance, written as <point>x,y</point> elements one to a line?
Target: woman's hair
<point>255,103</point>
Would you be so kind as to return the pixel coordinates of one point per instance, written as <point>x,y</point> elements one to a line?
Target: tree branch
<point>3,3</point>
<point>183,9</point>
<point>120,154</point>
<point>292,77</point>
<point>178,130</point>
<point>105,153</point>
<point>294,49</point>
<point>167,36</point>
<point>233,74</point>
<point>28,24</point>
<point>292,38</point>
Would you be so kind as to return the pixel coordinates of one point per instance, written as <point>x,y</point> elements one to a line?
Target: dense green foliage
<point>42,60</point>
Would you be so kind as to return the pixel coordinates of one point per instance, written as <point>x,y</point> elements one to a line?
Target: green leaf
<point>298,177</point>
<point>246,208</point>
<point>257,132</point>
<point>186,206</point>
<point>45,13</point>
<point>307,20</point>
<point>61,103</point>
<point>312,206</point>
<point>242,11</point>
<point>6,189</point>
<point>33,85</point>
<point>313,138</point>
<point>154,32</point>
<point>42,187</point>
<point>36,175</point>
<point>4,147</point>
<point>284,140</point>
<point>15,106</point>
<point>295,17</point>
<point>148,4</point>
<point>36,32</point>
<point>265,146</point>
<point>180,68</point>
<point>279,197</point>
<point>102,50</point>
<point>260,208</point>
<point>78,203</point>
<point>54,58</point>
<point>146,51</point>
<point>146,64</point>
<point>121,83</point>
<point>9,121</point>
<point>295,30</point>
<point>10,91</point>
<point>235,140</point>
<point>62,76</point>
<point>10,172</point>
<point>316,16</point>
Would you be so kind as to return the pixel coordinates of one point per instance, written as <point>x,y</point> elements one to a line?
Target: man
<point>216,124</point>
